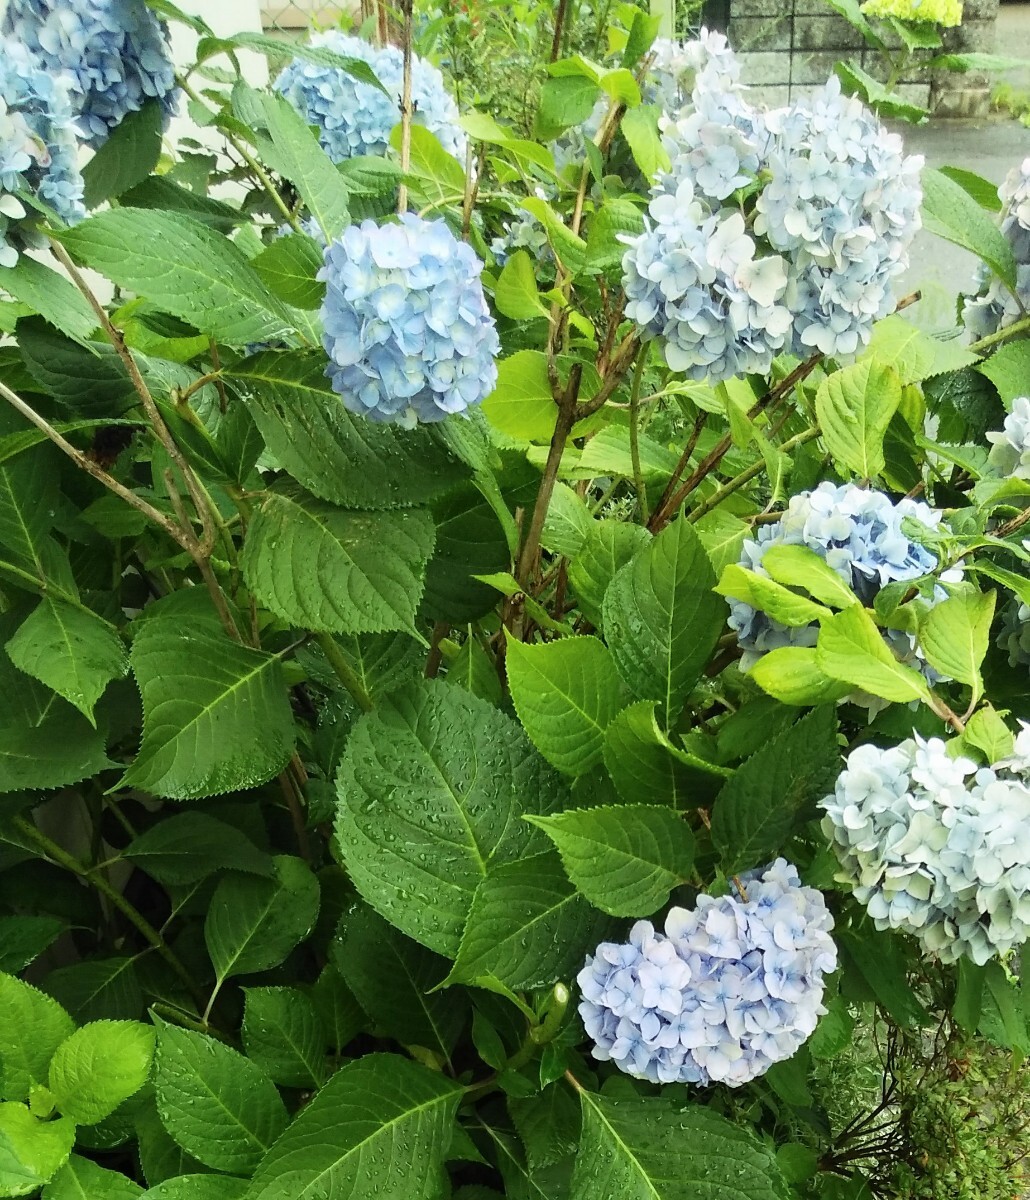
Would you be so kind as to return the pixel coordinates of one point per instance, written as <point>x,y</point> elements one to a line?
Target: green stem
<point>738,481</point>
<point>634,435</point>
<point>51,850</point>
<point>992,339</point>
<point>345,672</point>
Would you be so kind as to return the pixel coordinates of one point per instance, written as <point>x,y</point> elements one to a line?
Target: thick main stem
<point>566,419</point>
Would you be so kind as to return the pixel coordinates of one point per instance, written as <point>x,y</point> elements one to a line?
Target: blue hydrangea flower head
<point>855,531</point>
<point>38,147</point>
<point>843,201</point>
<point>936,846</point>
<point>677,68</point>
<point>355,118</point>
<point>1010,449</point>
<point>116,52</point>
<point>407,328</point>
<point>731,986</point>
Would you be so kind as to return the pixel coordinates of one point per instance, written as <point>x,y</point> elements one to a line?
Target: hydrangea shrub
<point>514,648</point>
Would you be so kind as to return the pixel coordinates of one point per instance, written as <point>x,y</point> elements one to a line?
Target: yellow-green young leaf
<point>639,126</point>
<point>527,927</point>
<point>565,693</point>
<point>515,295</point>
<point>792,675</point>
<point>915,355</point>
<point>98,1067</point>
<point>655,1148</point>
<point>854,407</point>
<point>440,175</point>
<point>955,635</point>
<point>218,1106</point>
<point>380,1127</point>
<point>988,733</point>
<point>770,597</point>
<point>1008,369</point>
<point>624,859</point>
<point>31,1151</point>
<point>32,1026</point>
<point>800,566</point>
<point>83,1179</point>
<point>851,649</point>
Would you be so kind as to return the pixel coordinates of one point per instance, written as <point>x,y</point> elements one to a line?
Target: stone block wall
<point>790,46</point>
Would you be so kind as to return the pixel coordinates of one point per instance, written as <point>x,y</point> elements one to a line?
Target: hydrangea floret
<point>407,328</point>
<point>936,846</point>
<point>938,12</point>
<point>994,306</point>
<point>857,532</point>
<point>731,986</point>
<point>354,117</point>
<point>1010,449</point>
<point>114,51</point>
<point>38,147</point>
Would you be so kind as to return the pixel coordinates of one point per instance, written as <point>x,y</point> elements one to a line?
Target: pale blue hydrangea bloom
<point>843,201</point>
<point>116,52</point>
<point>355,118</point>
<point>522,232</point>
<point>693,281</point>
<point>855,531</point>
<point>1014,637</point>
<point>728,989</point>
<point>407,328</point>
<point>995,306</point>
<point>1010,449</point>
<point>38,146</point>
<point>717,142</point>
<point>935,846</point>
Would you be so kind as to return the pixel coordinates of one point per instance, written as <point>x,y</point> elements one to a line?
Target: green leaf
<point>774,791</point>
<point>23,940</point>
<point>639,127</point>
<point>516,293</point>
<point>97,989</point>
<point>852,649</point>
<point>854,407</point>
<point>880,960</point>
<point>722,535</point>
<point>323,568</point>
<point>1008,369</point>
<point>625,860</point>
<point>987,731</point>
<point>473,669</point>
<point>57,300</point>
<point>292,150</point>
<point>185,269</point>
<point>98,1067</point>
<point>567,524</point>
<point>128,156</point>
<point>833,1033</point>
<point>381,1126</point>
<point>982,190</point>
<point>981,63</point>
<point>565,693</point>
<point>609,546</point>
<point>393,979</point>
<point>334,454</point>
<point>71,650</point>
<point>527,927</point>
<point>31,1150</point>
<point>647,768</point>
<point>32,1026</point>
<point>564,101</point>
<point>800,566</point>
<point>439,173</point>
<point>768,596</point>
<point>883,101</point>
<point>199,1187</point>
<point>654,1148</point>
<point>522,404</point>
<point>283,1033</point>
<point>253,923</point>
<point>954,215</point>
<point>158,191</point>
<point>793,676</point>
<point>275,49</point>
<point>662,619</point>
<point>289,267</point>
<point>195,683</point>
<point>185,848</point>
<point>969,989</point>
<point>915,355</point>
<point>431,787</point>
<point>955,635</point>
<point>83,1179</point>
<point>219,1106</point>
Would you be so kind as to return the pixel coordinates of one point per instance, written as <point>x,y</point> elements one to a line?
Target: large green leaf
<point>662,619</point>
<point>71,650</point>
<point>852,650</point>
<point>53,296</point>
<point>393,979</point>
<point>199,1187</point>
<point>187,847</point>
<point>83,1179</point>
<point>321,567</point>
<point>98,989</point>
<point>431,788</point>
<point>98,1067</point>
<point>1008,368</point>
<point>28,500</point>
<point>608,546</point>
<point>775,790</point>
<point>854,407</point>
<point>954,215</point>
<point>655,1148</point>
<point>527,927</point>
<point>196,686</point>
<point>624,859</point>
<point>565,693</point>
<point>184,268</point>
<point>254,922</point>
<point>24,938</point>
<point>913,353</point>
<point>128,156</point>
<point>32,1026</point>
<point>283,1033</point>
<point>955,635</point>
<point>380,1127</point>
<point>289,266</point>
<point>219,1106</point>
<point>31,1150</point>
<point>334,454</point>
